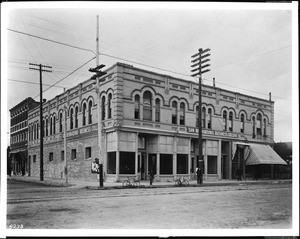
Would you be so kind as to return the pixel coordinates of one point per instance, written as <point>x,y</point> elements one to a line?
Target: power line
<point>154,67</point>
<point>68,75</point>
<point>46,39</point>
<point>33,83</point>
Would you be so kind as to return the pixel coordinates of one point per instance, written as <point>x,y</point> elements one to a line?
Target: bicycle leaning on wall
<point>181,181</point>
<point>131,182</point>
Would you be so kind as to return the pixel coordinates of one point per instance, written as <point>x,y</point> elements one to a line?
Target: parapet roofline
<point>187,81</point>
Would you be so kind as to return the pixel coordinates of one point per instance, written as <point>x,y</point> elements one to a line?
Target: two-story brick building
<point>150,120</point>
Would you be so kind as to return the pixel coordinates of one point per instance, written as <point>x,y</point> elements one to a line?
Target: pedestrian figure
<point>199,176</point>
<point>151,173</point>
<point>239,174</point>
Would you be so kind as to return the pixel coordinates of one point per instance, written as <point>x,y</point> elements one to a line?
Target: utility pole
<point>197,62</point>
<point>65,142</point>
<point>97,81</point>
<point>40,69</point>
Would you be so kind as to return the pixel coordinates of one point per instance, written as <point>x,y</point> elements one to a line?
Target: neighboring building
<point>285,151</point>
<point>150,120</point>
<point>18,135</point>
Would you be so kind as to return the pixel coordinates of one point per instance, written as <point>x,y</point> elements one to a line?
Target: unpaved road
<point>222,207</point>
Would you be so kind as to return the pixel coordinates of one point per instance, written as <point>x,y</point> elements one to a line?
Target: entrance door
<point>143,166</point>
<point>224,167</point>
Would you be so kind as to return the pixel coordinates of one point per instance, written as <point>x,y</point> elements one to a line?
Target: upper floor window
<point>60,122</point>
<point>43,127</point>
<point>203,116</point>
<point>209,118</point>
<point>242,123</point>
<point>182,114</point>
<point>37,130</point>
<point>71,118</point>
<point>197,116</point>
<point>147,106</point>
<point>51,124</point>
<point>54,124</point>
<point>230,121</point>
<point>90,112</point>
<point>137,107</point>
<point>259,124</point>
<point>76,117</point>
<point>84,114</point>
<point>265,127</point>
<point>157,110</point>
<point>253,127</point>
<point>47,122</point>
<point>109,106</point>
<point>224,120</point>
<point>174,112</point>
<point>103,108</point>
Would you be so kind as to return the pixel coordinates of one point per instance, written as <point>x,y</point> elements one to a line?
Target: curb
<point>191,185</point>
<point>207,184</point>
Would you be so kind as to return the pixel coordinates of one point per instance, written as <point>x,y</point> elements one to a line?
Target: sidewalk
<point>80,183</point>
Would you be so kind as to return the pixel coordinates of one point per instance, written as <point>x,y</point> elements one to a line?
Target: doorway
<point>142,157</point>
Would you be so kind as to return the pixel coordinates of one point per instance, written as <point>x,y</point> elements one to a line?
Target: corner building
<point>148,121</point>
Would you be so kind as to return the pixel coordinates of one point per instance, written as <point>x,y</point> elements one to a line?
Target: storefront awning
<point>263,154</point>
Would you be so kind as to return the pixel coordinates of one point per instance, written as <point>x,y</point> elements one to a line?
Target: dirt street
<point>221,207</point>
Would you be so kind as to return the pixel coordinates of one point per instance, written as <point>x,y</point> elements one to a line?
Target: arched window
<point>197,116</point>
<point>147,106</point>
<point>29,131</point>
<point>203,117</point>
<point>209,118</point>
<point>157,110</point>
<point>230,121</point>
<point>253,127</point>
<point>137,107</point>
<point>83,114</point>
<point>259,124</point>
<point>51,125</point>
<point>90,111</point>
<point>44,127</point>
<point>37,130</point>
<point>109,106</point>
<point>76,117</point>
<point>224,120</point>
<point>242,123</point>
<point>103,108</point>
<point>54,124</point>
<point>60,122</point>
<point>174,112</point>
<point>182,114</point>
<point>265,127</point>
<point>47,125</point>
<point>71,118</point>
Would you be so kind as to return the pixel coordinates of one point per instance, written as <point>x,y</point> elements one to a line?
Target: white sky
<point>251,46</point>
<point>254,48</point>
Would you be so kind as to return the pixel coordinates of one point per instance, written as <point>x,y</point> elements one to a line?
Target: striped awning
<point>263,154</point>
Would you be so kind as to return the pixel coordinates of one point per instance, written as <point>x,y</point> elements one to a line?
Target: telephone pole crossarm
<point>198,60</point>
<point>40,69</point>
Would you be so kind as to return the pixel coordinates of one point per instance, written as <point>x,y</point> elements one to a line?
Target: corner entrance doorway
<point>142,163</point>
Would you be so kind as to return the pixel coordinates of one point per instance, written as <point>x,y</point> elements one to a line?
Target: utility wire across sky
<point>154,67</point>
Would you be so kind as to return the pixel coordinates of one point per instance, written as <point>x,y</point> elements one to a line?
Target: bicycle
<point>131,182</point>
<point>181,181</point>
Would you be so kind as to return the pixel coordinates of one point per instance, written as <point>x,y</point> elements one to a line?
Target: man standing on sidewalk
<point>199,176</point>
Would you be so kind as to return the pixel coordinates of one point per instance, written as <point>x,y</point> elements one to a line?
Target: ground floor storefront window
<point>127,163</point>
<point>212,164</point>
<point>166,164</point>
<point>111,163</point>
<point>182,163</point>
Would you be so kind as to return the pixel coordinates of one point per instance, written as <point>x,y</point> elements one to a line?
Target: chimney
<point>270,96</point>
<point>214,83</point>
